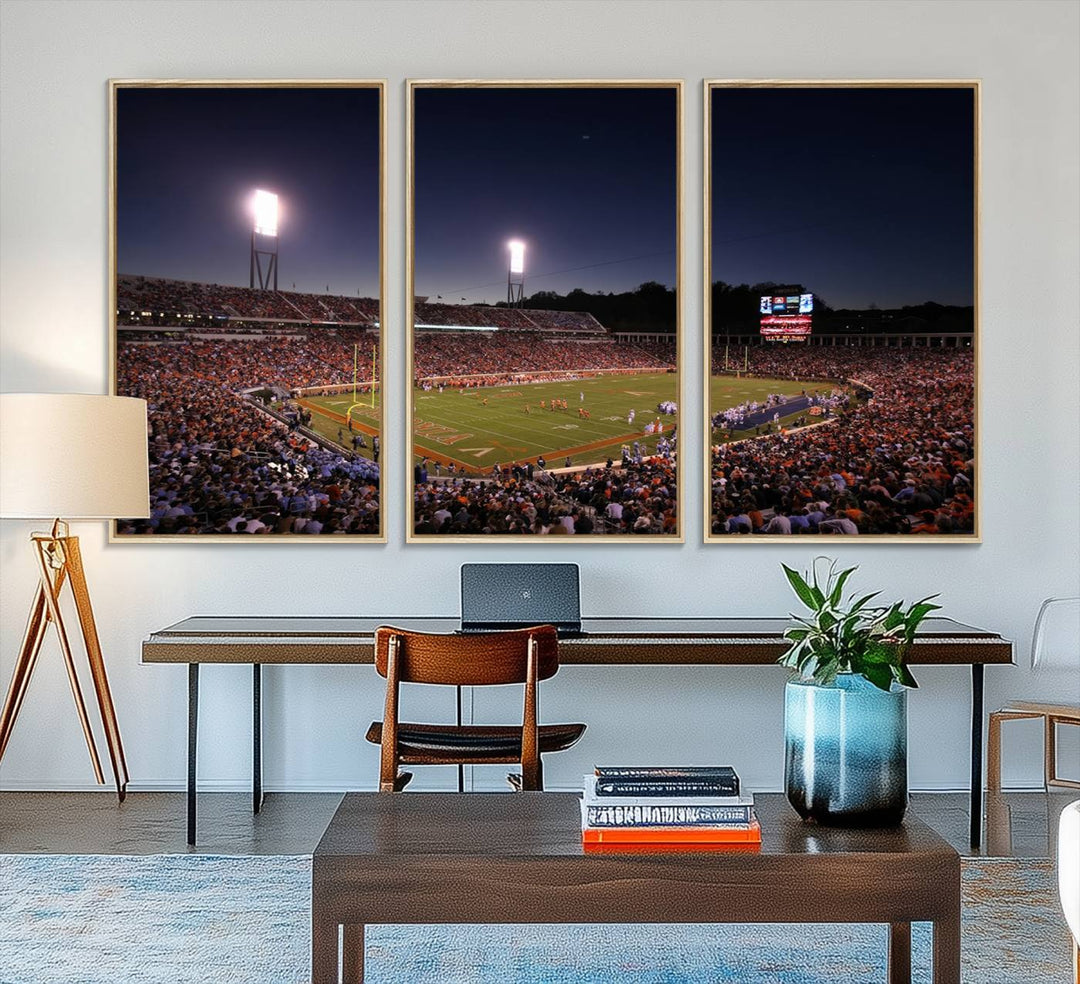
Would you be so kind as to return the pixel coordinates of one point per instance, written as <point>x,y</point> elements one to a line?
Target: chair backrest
<point>468,660</point>
<point>1055,643</point>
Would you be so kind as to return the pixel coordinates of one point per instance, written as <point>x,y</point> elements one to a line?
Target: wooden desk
<point>518,858</point>
<point>620,641</point>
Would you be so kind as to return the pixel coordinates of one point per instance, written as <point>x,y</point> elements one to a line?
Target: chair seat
<point>1034,707</point>
<point>473,743</point>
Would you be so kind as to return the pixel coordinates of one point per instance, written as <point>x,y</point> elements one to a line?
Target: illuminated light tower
<point>515,276</point>
<point>264,240</point>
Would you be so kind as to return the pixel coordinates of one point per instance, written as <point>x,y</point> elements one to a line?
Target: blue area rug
<point>246,920</point>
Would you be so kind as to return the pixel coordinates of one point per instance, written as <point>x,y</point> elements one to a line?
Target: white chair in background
<point>1055,645</point>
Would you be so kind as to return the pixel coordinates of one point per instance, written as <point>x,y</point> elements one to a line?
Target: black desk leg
<point>976,753</point>
<point>256,738</point>
<point>461,767</point>
<point>192,747</point>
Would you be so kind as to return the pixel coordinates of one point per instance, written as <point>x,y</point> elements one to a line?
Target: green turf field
<point>461,426</point>
<point>730,391</point>
<point>328,424</point>
<point>458,425</point>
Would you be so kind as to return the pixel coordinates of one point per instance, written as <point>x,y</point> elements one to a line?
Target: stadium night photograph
<point>545,385</point>
<point>841,310</point>
<point>247,279</point>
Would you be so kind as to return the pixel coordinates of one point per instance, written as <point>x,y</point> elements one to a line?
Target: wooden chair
<point>1055,644</point>
<point>485,659</point>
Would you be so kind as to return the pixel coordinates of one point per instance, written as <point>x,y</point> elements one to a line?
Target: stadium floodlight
<point>266,213</point>
<point>517,256</point>
<point>515,275</point>
<point>264,240</point>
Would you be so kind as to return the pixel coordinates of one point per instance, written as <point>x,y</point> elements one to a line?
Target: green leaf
<point>877,653</point>
<point>838,590</point>
<point>903,676</point>
<point>920,610</point>
<point>915,616</point>
<point>893,618</point>
<point>815,589</point>
<point>801,588</point>
<point>825,674</point>
<point>862,601</point>
<point>880,676</point>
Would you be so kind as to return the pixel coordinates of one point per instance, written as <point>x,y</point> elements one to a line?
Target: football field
<point>328,418</point>
<point>726,392</point>
<point>478,428</point>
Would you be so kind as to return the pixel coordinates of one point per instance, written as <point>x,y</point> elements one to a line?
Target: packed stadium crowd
<point>661,350</point>
<point>499,356</point>
<point>635,498</point>
<point>168,298</point>
<point>313,358</point>
<point>173,302</point>
<point>507,319</point>
<point>900,462</point>
<point>218,464</point>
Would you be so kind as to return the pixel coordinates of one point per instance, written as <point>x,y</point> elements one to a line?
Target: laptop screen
<point>494,595</point>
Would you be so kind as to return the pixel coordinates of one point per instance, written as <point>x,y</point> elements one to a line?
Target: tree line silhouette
<point>651,307</point>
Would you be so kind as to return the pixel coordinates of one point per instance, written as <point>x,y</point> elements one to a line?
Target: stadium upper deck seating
<point>183,297</point>
<point>170,299</point>
<point>506,319</point>
<point>461,354</point>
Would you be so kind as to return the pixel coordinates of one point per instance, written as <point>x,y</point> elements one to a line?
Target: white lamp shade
<point>73,456</point>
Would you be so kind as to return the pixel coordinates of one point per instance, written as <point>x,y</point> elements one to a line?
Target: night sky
<point>585,177</point>
<point>188,161</point>
<point>861,195</point>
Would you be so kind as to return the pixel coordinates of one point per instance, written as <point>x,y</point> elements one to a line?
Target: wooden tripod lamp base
<point>59,561</point>
<point>84,457</point>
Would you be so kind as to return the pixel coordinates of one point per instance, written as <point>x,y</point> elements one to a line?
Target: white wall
<point>53,329</point>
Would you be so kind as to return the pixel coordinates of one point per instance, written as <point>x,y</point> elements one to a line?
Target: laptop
<point>496,597</point>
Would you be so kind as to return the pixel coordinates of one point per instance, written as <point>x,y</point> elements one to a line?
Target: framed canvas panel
<point>247,298</point>
<point>544,382</point>
<point>842,310</point>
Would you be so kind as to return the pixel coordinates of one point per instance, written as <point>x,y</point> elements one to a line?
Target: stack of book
<point>678,806</point>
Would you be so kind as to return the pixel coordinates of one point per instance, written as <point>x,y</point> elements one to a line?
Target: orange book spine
<point>750,834</point>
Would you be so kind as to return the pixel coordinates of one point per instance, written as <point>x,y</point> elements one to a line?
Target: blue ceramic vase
<point>846,751</point>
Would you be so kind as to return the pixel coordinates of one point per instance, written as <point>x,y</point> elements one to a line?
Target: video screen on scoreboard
<point>788,304</point>
<point>786,314</point>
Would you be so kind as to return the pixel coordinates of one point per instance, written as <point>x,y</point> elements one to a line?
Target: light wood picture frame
<point>264,383</point>
<point>851,208</point>
<point>494,168</point>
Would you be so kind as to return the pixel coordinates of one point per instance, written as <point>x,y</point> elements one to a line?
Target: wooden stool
<point>1052,715</point>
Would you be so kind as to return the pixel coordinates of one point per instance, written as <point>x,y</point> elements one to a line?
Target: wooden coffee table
<point>517,858</point>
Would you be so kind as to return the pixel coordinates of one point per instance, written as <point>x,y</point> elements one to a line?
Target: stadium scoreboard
<point>787,316</point>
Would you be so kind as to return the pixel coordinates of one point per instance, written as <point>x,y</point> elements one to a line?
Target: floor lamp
<point>77,457</point>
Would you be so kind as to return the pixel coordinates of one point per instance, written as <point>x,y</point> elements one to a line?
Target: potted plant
<point>845,714</point>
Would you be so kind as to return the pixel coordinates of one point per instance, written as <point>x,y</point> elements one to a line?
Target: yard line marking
<point>565,452</point>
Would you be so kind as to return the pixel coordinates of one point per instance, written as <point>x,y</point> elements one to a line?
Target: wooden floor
<point>1022,824</point>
